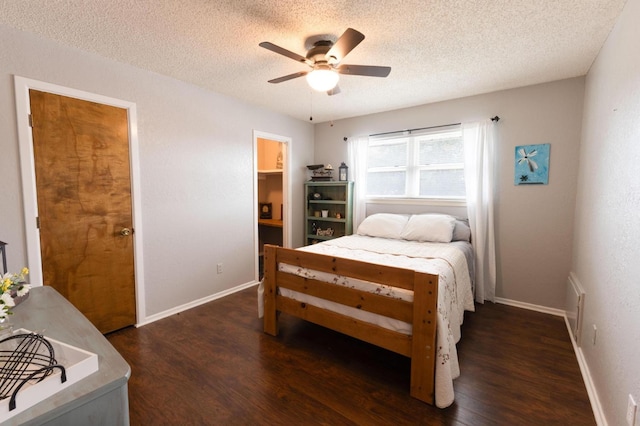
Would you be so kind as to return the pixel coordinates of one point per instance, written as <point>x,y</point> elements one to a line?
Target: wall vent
<point>574,306</point>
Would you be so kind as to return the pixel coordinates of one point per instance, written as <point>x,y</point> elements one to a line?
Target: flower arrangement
<point>12,285</point>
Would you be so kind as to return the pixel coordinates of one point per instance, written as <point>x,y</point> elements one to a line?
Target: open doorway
<point>271,194</point>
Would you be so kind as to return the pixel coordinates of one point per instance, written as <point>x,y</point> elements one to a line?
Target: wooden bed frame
<point>421,313</point>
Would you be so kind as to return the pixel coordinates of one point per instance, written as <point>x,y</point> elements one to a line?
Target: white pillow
<point>384,225</point>
<point>437,228</point>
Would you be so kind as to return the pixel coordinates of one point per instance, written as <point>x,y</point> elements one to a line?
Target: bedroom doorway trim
<point>286,191</point>
<point>27,165</point>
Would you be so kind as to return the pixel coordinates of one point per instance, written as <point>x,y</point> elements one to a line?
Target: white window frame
<point>413,169</point>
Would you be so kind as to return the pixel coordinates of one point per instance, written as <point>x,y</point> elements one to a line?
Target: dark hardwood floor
<point>213,365</point>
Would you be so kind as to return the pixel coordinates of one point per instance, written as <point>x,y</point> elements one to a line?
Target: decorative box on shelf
<point>321,173</point>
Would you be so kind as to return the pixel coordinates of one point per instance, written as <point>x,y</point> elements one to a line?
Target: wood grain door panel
<point>81,152</point>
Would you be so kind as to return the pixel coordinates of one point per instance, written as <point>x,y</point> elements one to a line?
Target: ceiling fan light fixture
<point>324,58</point>
<point>323,79</point>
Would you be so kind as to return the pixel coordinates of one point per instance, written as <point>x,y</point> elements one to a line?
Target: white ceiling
<point>437,49</point>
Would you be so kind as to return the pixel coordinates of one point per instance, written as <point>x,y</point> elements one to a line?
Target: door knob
<point>125,232</point>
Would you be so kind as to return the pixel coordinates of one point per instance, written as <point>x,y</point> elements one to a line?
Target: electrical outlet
<point>219,268</point>
<point>631,411</point>
<point>595,333</point>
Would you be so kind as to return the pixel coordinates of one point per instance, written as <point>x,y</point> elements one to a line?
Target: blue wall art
<point>532,164</point>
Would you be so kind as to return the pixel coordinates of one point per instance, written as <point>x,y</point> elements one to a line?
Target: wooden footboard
<point>422,313</point>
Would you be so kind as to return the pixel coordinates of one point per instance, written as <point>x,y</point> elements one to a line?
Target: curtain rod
<point>496,119</point>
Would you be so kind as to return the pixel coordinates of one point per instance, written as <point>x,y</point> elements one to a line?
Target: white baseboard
<point>532,307</point>
<point>186,306</point>
<point>588,382</point>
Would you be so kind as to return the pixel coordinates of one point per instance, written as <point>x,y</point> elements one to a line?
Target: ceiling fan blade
<point>282,51</point>
<point>334,91</point>
<point>345,44</point>
<point>366,70</point>
<point>288,77</point>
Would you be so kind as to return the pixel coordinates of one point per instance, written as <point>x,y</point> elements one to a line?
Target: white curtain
<point>479,170</point>
<point>357,152</point>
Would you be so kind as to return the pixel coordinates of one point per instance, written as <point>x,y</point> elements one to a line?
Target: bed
<point>402,282</point>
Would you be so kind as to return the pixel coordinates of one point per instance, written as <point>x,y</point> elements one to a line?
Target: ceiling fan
<point>324,59</point>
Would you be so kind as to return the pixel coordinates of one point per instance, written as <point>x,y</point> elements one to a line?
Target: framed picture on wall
<point>532,164</point>
<point>266,211</point>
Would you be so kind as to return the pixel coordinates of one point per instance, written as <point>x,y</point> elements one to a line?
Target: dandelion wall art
<point>532,164</point>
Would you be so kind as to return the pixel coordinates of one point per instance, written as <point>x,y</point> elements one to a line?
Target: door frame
<point>27,167</point>
<point>286,191</point>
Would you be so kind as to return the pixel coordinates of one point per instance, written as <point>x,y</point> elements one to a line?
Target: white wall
<point>607,225</point>
<point>534,223</point>
<point>196,167</point>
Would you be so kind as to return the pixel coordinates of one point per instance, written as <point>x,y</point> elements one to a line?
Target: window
<point>417,164</point>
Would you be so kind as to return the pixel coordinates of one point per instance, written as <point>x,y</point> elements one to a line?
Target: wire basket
<point>24,358</point>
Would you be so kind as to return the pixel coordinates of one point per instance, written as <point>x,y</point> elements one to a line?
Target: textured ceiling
<point>437,49</point>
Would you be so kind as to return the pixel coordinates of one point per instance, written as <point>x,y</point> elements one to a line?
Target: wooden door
<point>81,154</point>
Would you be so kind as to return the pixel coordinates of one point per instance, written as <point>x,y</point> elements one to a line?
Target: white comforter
<point>454,293</point>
